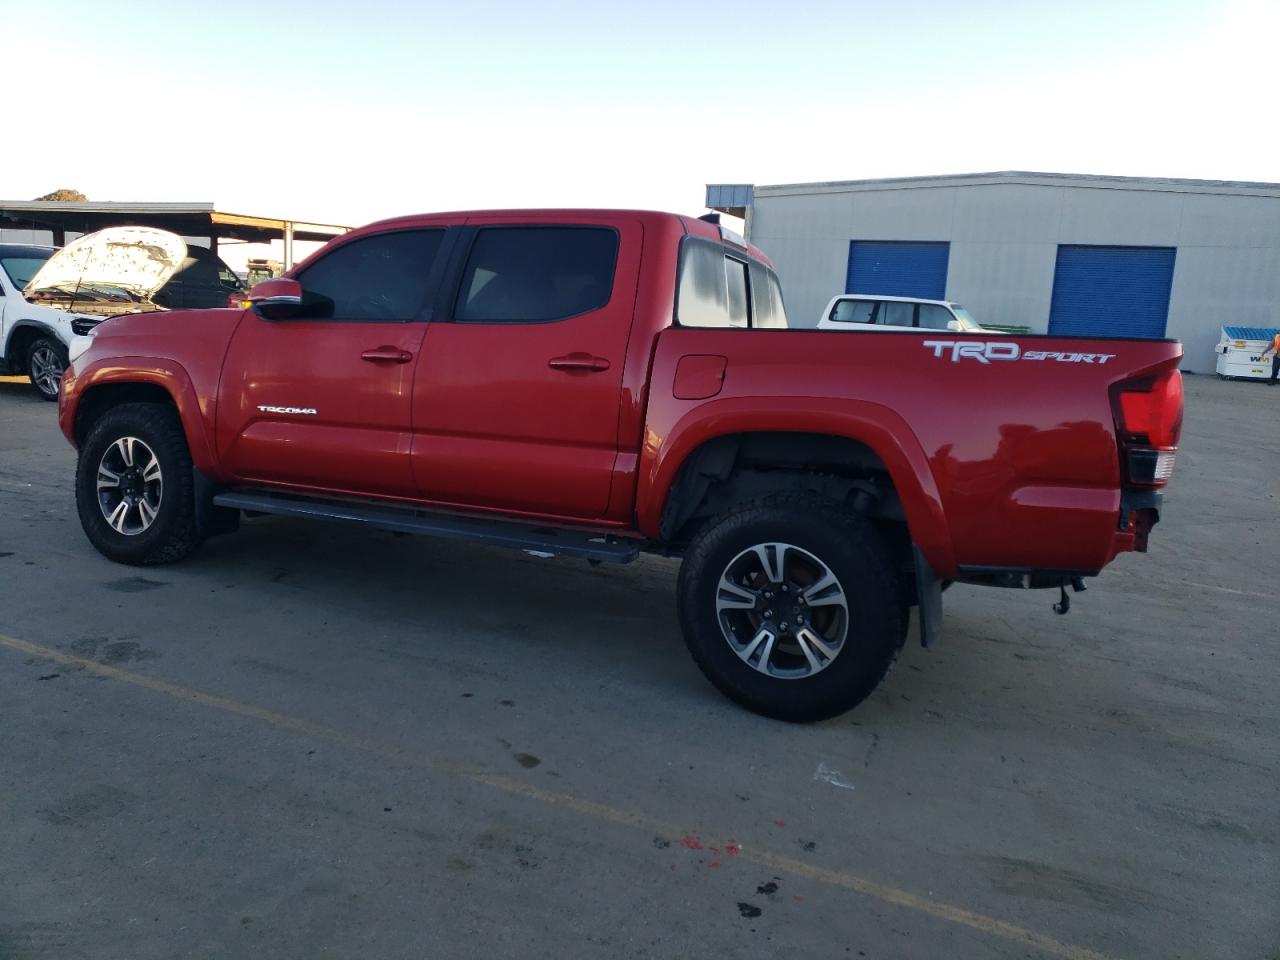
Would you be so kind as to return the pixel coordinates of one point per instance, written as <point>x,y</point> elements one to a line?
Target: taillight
<point>1151,410</point>
<point>1148,423</point>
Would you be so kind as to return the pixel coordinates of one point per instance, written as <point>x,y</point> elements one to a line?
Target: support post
<point>288,245</point>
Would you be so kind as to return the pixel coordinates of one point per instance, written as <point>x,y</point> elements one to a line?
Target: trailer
<point>1240,352</point>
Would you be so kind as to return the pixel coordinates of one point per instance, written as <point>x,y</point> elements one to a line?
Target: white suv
<point>857,311</point>
<point>48,296</point>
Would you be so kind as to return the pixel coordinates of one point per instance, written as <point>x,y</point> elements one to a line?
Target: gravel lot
<point>312,741</point>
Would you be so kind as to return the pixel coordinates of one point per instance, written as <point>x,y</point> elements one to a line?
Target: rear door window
<point>894,313</point>
<point>537,274</point>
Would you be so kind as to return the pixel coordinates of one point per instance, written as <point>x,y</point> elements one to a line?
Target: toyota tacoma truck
<point>601,384</point>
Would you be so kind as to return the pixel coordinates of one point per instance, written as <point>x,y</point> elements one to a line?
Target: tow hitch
<point>1063,606</point>
<point>1024,579</point>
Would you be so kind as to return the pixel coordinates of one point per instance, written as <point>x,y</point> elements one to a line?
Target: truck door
<point>516,401</point>
<point>324,402</point>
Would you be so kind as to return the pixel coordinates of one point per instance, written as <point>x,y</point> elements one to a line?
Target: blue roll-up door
<point>1111,291</point>
<point>898,269</point>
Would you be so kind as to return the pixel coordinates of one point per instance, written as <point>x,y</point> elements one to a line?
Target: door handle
<point>579,361</point>
<point>387,355</point>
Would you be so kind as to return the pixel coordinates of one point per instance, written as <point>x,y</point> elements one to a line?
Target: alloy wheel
<point>130,486</point>
<point>46,369</point>
<point>782,610</point>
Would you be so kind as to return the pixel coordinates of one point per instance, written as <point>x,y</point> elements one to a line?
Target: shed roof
<point>1031,178</point>
<point>186,219</point>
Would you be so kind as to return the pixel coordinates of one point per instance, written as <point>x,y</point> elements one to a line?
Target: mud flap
<point>211,520</point>
<point>928,599</point>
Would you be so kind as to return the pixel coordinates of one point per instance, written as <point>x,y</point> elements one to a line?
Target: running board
<point>582,544</point>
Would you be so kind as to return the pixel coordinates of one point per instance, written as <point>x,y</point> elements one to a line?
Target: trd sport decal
<point>985,352</point>
<point>296,411</point>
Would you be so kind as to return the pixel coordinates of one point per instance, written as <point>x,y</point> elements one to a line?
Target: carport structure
<point>185,219</point>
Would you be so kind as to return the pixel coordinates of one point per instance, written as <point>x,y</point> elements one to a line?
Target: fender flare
<point>167,374</point>
<point>874,425</point>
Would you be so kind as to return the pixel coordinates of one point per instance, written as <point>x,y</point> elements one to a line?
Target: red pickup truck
<point>600,383</point>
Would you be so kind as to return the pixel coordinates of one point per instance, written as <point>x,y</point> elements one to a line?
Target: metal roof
<point>1095,181</point>
<point>186,219</point>
<point>728,195</point>
<point>1250,333</point>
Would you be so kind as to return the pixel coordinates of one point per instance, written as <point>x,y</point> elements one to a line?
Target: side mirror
<point>278,299</point>
<point>954,326</point>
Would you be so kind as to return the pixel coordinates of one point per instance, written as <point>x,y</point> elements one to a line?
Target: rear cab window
<point>723,286</point>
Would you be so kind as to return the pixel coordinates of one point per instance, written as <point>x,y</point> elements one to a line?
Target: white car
<point>857,311</point>
<point>48,296</point>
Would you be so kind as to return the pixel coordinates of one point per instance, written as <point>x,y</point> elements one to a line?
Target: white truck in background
<point>865,312</point>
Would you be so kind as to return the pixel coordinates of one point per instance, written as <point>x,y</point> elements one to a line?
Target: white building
<point>1056,253</point>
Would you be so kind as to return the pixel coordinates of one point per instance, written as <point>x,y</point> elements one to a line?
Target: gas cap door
<point>699,376</point>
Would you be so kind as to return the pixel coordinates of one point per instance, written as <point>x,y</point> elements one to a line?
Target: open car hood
<point>137,259</point>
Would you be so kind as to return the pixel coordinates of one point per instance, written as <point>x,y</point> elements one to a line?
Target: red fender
<point>196,414</point>
<point>874,425</point>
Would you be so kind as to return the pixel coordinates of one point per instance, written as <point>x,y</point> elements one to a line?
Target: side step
<point>581,544</point>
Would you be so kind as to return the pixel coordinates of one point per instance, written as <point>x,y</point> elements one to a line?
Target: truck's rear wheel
<point>134,487</point>
<point>790,606</point>
<point>46,359</point>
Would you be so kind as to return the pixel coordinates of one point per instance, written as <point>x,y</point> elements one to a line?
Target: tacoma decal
<point>297,411</point>
<point>985,352</point>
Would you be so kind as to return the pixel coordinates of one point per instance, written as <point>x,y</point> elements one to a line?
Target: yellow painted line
<point>566,801</point>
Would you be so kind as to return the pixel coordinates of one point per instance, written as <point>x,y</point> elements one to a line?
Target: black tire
<point>851,549</point>
<point>45,358</point>
<point>172,534</point>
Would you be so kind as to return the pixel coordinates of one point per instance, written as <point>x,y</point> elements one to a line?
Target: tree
<point>65,195</point>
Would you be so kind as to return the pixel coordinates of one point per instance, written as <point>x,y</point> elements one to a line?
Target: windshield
<point>22,268</point>
<point>966,320</point>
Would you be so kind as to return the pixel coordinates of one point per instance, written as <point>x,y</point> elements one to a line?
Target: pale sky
<point>349,112</point>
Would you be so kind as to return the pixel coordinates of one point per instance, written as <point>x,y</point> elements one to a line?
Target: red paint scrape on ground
<point>691,842</point>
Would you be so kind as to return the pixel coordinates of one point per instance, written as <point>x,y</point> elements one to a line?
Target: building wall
<point>1004,239</point>
<point>14,235</point>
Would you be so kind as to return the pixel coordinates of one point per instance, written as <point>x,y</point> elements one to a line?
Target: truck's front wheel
<point>791,607</point>
<point>134,487</point>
